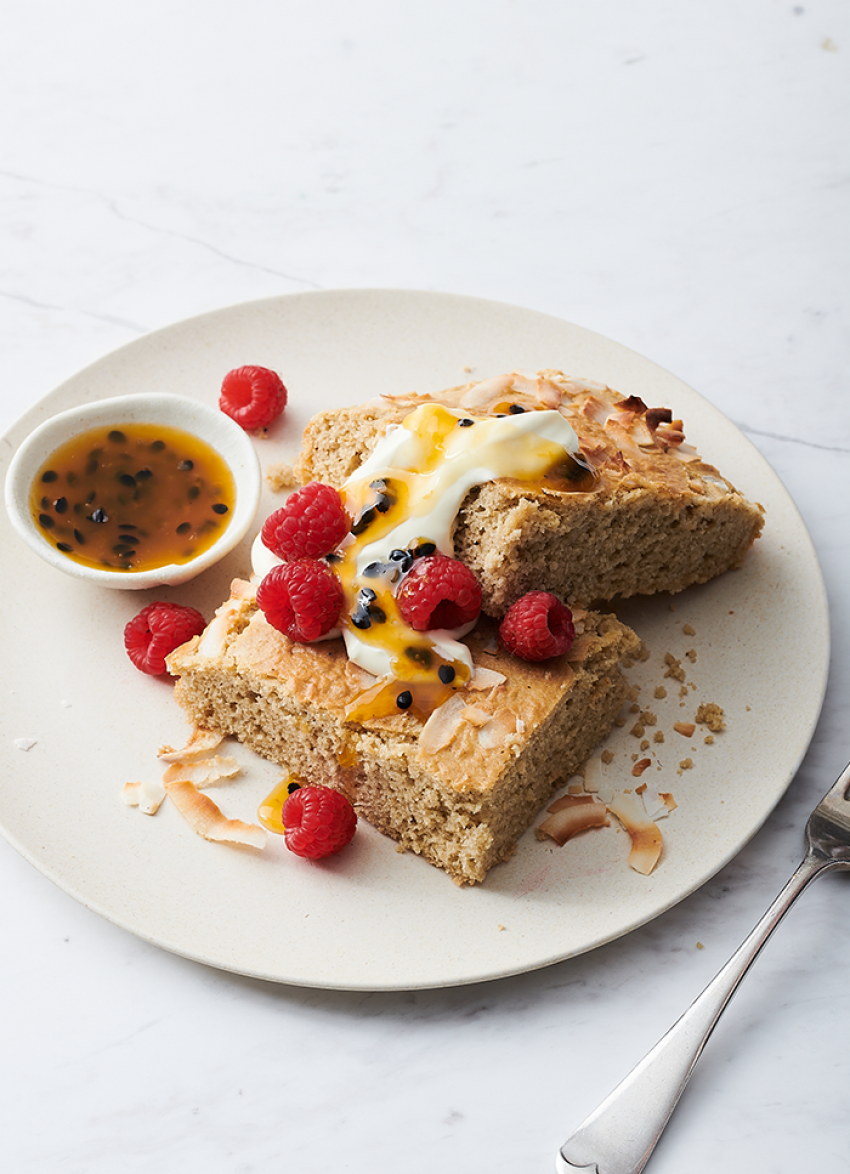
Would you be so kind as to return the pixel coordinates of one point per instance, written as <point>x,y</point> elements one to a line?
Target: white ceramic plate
<point>370,918</point>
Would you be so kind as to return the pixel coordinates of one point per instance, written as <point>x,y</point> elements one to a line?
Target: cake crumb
<point>700,946</point>
<point>688,630</point>
<point>711,715</point>
<point>648,717</point>
<point>645,744</point>
<point>607,756</point>
<point>660,692</point>
<point>634,708</point>
<point>633,693</point>
<point>637,730</point>
<point>658,736</point>
<point>281,476</point>
<point>686,764</point>
<point>500,927</point>
<point>691,654</point>
<point>674,667</point>
<point>709,739</point>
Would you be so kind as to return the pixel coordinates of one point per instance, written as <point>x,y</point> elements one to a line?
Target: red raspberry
<point>438,592</point>
<point>318,821</point>
<point>303,599</point>
<point>310,525</point>
<point>157,630</point>
<point>253,397</point>
<point>538,626</point>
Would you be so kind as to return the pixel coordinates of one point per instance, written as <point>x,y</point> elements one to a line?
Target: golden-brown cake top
<point>625,441</point>
<point>467,740</point>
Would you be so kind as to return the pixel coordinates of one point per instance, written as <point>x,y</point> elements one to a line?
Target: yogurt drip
<point>404,500</point>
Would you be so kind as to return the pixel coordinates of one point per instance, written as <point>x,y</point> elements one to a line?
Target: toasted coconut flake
<point>628,410</point>
<point>653,803</point>
<point>645,835</point>
<point>151,795</point>
<point>594,776</point>
<point>575,813</point>
<point>483,678</point>
<point>499,730</point>
<point>200,742</point>
<point>244,589</point>
<point>640,767</point>
<point>629,414</point>
<point>596,410</point>
<point>623,438</point>
<point>442,726</point>
<point>130,793</point>
<point>207,819</point>
<point>212,641</point>
<point>668,800</point>
<point>655,417</point>
<point>476,715</point>
<point>686,729</point>
<point>569,801</point>
<point>669,435</point>
<point>481,395</point>
<point>203,772</point>
<point>147,796</point>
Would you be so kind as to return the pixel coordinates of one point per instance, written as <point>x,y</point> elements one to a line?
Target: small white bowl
<point>208,423</point>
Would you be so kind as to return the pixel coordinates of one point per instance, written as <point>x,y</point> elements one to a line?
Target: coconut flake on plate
<point>208,820</point>
<point>572,814</point>
<point>147,796</point>
<point>202,772</point>
<point>200,742</point>
<point>645,834</point>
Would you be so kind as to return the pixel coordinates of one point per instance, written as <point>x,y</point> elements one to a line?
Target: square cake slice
<point>459,788</point>
<point>640,512</point>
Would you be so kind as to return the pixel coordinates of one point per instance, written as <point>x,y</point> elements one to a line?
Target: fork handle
<point>619,1136</point>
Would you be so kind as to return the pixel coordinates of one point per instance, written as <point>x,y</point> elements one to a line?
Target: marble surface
<point>672,177</point>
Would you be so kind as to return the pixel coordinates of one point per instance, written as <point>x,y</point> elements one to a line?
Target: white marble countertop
<point>673,177</point>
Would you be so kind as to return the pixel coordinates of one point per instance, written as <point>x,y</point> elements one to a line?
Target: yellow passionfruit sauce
<point>270,811</point>
<point>133,497</point>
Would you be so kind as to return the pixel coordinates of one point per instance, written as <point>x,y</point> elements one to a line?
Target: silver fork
<point>619,1136</point>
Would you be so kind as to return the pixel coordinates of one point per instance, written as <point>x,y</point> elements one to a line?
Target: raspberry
<point>438,592</point>
<point>157,630</point>
<point>310,525</point>
<point>253,397</point>
<point>301,599</point>
<point>538,626</point>
<point>318,821</point>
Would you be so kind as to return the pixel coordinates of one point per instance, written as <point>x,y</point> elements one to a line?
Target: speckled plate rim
<point>371,919</point>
